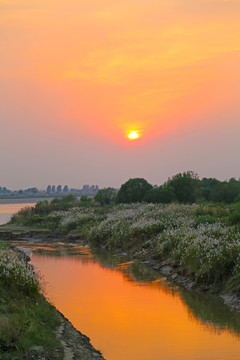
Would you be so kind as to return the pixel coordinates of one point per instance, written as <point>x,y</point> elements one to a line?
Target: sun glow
<point>133,135</point>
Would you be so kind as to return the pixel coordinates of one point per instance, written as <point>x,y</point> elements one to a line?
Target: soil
<point>76,345</point>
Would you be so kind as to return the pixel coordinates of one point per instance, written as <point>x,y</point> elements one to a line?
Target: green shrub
<point>234,218</point>
<point>213,210</point>
<point>204,210</point>
<point>22,216</point>
<point>205,219</point>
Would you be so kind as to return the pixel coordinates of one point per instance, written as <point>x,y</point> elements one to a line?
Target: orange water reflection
<point>8,208</point>
<point>129,319</point>
<point>13,208</point>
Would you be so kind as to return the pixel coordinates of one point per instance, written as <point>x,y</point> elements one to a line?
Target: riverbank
<point>197,246</point>
<point>30,327</point>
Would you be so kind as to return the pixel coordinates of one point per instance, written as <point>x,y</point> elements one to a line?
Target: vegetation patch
<point>203,240</point>
<point>27,322</point>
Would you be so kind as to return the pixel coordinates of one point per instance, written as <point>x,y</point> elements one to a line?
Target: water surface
<point>130,312</point>
<point>8,207</point>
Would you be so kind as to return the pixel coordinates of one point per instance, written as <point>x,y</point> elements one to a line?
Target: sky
<point>77,76</point>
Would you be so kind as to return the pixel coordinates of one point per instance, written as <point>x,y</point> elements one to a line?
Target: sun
<point>133,135</point>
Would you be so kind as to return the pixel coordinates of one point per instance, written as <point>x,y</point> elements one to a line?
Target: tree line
<point>184,188</point>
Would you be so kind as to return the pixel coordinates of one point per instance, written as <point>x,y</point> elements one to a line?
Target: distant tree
<point>42,207</point>
<point>207,186</point>
<point>227,192</point>
<point>84,199</point>
<point>53,188</point>
<point>49,189</point>
<point>65,189</point>
<point>162,194</point>
<point>59,188</point>
<point>69,198</point>
<point>33,190</point>
<point>186,186</point>
<point>105,196</point>
<point>237,198</point>
<point>133,191</point>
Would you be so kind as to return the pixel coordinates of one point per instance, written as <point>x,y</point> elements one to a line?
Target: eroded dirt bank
<point>75,344</point>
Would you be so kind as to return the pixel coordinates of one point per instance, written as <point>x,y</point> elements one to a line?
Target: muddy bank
<point>18,233</point>
<point>75,344</point>
<point>173,273</point>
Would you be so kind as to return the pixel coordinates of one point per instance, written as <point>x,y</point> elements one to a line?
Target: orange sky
<point>76,76</point>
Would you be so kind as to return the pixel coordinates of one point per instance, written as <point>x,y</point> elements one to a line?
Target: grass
<point>27,321</point>
<point>27,325</point>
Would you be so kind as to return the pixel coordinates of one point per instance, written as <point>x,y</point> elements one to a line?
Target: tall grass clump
<point>23,216</point>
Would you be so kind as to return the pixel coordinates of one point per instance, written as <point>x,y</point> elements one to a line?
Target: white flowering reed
<point>14,270</point>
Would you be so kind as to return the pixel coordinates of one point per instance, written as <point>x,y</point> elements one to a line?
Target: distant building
<point>4,190</point>
<point>65,189</point>
<point>89,190</point>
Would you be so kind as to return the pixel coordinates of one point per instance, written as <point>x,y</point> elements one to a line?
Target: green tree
<point>84,199</point>
<point>163,194</point>
<point>105,196</point>
<point>133,191</point>
<point>225,191</point>
<point>69,198</point>
<point>207,186</point>
<point>186,186</point>
<point>42,207</point>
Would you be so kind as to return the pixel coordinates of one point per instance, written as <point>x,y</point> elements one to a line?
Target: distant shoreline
<point>23,200</point>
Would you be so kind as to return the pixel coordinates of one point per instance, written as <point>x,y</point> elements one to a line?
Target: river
<point>130,312</point>
<point>8,207</point>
